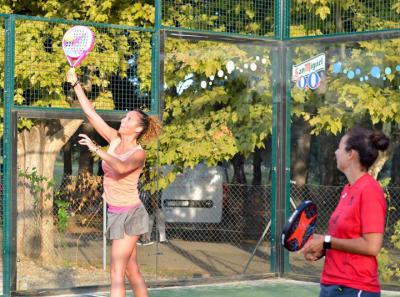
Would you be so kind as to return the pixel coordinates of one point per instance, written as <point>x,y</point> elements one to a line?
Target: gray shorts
<point>132,222</point>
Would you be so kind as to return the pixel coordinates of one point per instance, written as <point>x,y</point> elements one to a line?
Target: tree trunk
<point>39,149</point>
<point>67,156</point>
<point>378,165</point>
<point>395,168</point>
<point>339,28</point>
<point>329,174</point>
<point>85,156</point>
<point>257,161</point>
<point>24,204</point>
<point>300,153</point>
<point>239,176</point>
<point>29,214</point>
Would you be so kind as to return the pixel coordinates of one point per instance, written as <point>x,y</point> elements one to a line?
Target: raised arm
<point>107,132</point>
<point>136,160</point>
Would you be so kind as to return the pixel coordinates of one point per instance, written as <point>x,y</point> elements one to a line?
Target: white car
<point>195,196</point>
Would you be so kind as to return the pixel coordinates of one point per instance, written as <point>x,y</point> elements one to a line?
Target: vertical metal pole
<point>280,169</point>
<point>157,78</point>
<point>280,137</point>
<point>155,59</point>
<point>9,207</point>
<point>287,64</point>
<point>274,238</point>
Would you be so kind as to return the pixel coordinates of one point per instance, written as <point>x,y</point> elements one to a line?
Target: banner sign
<point>314,64</point>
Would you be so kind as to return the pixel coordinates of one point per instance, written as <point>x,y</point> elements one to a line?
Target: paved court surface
<point>260,288</point>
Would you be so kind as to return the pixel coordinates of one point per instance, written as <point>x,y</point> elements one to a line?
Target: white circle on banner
<point>302,83</point>
<point>314,80</point>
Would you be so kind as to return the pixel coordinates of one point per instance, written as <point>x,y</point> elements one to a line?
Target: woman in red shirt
<point>356,227</point>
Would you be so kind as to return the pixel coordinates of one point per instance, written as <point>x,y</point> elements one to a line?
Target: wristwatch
<point>327,242</point>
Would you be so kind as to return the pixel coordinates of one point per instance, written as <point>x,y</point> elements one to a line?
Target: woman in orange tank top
<point>123,163</point>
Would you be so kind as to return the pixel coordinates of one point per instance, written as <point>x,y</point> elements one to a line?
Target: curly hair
<point>151,127</point>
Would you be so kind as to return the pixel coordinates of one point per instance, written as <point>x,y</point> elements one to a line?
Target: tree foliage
<point>210,113</point>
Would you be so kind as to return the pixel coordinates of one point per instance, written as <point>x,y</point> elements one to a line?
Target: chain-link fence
<point>310,18</point>
<point>218,240</point>
<point>260,18</point>
<point>192,236</point>
<point>116,74</point>
<point>227,16</point>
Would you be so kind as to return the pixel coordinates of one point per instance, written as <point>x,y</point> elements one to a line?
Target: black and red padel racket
<point>300,226</point>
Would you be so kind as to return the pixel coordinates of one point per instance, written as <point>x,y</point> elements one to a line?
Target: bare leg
<point>135,277</point>
<point>121,251</point>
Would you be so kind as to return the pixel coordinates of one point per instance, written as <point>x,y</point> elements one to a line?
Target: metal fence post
<point>280,137</point>
<point>9,256</point>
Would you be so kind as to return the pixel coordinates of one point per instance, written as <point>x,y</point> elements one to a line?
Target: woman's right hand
<point>313,249</point>
<point>71,76</point>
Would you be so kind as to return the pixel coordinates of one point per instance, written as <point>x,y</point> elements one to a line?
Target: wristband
<point>327,242</point>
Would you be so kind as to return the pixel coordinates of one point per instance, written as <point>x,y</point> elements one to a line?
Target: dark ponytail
<point>367,143</point>
<point>379,140</point>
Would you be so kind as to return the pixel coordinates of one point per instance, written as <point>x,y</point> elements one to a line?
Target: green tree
<point>210,116</point>
<point>340,102</point>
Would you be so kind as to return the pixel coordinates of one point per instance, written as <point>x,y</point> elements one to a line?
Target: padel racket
<point>300,226</point>
<point>77,42</point>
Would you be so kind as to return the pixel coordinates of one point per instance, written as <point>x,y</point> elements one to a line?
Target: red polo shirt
<point>361,209</point>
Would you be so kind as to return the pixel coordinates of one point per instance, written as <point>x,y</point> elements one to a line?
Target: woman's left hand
<point>314,248</point>
<point>71,76</point>
<point>85,140</point>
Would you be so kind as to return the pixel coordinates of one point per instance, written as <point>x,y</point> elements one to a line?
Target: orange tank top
<point>121,189</point>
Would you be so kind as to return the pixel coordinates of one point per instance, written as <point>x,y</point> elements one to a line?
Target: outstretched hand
<point>85,140</point>
<point>71,76</point>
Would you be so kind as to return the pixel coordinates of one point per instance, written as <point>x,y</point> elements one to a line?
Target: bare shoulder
<point>140,152</point>
<point>139,155</point>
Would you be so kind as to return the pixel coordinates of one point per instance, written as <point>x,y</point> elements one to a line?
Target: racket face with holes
<point>77,42</point>
<point>300,226</point>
